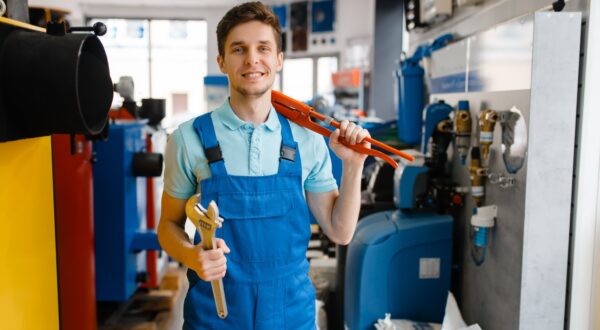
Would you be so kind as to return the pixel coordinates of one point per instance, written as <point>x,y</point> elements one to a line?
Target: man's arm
<point>337,212</point>
<point>209,265</point>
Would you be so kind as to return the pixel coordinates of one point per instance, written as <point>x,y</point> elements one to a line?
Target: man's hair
<point>246,12</point>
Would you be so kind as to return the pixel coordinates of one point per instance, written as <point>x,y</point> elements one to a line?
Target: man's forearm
<point>347,205</point>
<point>174,240</point>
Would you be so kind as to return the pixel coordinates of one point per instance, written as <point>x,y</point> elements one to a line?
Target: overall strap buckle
<point>288,153</point>
<point>213,154</point>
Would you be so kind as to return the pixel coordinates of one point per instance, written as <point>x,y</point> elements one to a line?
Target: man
<point>262,171</point>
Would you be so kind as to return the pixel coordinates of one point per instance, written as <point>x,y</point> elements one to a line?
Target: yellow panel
<point>20,24</point>
<point>28,283</point>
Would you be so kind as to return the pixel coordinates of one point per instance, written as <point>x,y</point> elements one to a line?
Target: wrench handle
<point>219,295</point>
<point>209,243</point>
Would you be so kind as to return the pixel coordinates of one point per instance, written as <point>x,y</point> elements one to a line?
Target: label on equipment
<point>477,191</point>
<point>486,136</point>
<point>429,268</point>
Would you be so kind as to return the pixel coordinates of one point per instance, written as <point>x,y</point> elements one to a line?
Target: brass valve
<point>444,126</point>
<point>477,175</point>
<point>462,128</point>
<point>487,121</point>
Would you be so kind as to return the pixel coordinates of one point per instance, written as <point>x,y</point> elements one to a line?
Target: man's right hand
<point>210,265</point>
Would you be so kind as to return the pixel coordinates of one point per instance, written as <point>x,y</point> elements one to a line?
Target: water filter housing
<point>398,262</point>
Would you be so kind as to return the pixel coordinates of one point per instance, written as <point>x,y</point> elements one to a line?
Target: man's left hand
<point>353,134</point>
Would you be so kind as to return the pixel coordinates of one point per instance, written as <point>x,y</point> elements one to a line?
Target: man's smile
<point>253,75</point>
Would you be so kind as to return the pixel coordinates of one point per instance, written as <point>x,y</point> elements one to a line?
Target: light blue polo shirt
<point>247,151</point>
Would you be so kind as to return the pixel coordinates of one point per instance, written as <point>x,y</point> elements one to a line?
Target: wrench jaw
<point>190,209</point>
<point>207,221</point>
<point>209,216</point>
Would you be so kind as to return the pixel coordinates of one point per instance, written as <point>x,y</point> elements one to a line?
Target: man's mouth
<point>252,75</point>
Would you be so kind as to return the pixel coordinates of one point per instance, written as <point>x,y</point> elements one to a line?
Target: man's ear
<point>221,63</point>
<point>279,61</point>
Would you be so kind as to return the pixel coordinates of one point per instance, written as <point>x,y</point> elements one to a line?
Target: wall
<point>354,20</point>
<point>582,306</point>
<point>211,15</point>
<point>388,47</point>
<point>585,248</point>
<point>356,23</point>
<point>470,19</point>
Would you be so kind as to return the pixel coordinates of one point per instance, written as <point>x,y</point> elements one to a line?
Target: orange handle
<point>307,123</point>
<point>302,117</point>
<point>373,141</point>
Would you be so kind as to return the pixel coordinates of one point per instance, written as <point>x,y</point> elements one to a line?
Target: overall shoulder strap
<point>206,130</point>
<point>289,155</point>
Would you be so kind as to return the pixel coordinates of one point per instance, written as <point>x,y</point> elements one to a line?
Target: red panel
<point>151,256</point>
<point>347,78</point>
<point>73,198</point>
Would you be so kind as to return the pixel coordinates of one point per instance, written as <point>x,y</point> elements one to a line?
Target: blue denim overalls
<point>267,228</point>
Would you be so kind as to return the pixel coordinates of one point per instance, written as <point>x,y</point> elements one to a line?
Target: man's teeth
<point>252,75</point>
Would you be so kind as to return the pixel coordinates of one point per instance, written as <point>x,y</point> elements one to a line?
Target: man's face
<point>250,58</point>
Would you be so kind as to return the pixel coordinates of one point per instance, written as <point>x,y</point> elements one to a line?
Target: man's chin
<point>253,92</point>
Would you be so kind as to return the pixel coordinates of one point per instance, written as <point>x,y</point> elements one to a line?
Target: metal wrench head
<point>211,214</point>
<point>201,217</point>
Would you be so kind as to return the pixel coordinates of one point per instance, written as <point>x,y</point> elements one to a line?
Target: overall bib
<point>267,229</point>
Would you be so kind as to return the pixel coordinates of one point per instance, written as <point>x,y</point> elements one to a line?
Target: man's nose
<point>252,57</point>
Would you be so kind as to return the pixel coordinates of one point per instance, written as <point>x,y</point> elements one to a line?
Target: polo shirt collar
<point>233,122</point>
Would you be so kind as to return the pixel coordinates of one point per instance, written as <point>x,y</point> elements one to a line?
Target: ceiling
<point>79,9</point>
<point>148,3</point>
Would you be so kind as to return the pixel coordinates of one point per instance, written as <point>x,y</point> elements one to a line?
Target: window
<point>326,66</point>
<point>298,78</point>
<point>166,58</point>
<point>180,103</point>
<point>302,79</point>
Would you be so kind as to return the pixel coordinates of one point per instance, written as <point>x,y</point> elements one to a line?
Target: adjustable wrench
<point>207,221</point>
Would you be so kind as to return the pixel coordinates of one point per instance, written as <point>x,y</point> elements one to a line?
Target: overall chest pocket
<point>256,205</point>
<point>258,226</point>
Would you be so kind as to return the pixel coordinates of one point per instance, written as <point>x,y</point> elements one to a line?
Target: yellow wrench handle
<point>208,243</point>
<point>219,295</point>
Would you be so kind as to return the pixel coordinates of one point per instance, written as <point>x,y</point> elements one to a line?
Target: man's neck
<point>251,109</point>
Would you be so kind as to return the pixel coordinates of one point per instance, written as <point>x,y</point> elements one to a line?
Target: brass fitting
<point>444,126</point>
<point>487,122</point>
<point>462,128</point>
<point>477,174</point>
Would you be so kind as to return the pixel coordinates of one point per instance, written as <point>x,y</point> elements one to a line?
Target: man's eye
<point>237,50</point>
<point>264,49</point>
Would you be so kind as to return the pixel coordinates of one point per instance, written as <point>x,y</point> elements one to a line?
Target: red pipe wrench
<point>301,114</point>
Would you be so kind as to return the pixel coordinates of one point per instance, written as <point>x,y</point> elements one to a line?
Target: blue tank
<point>398,262</point>
<point>410,81</point>
<point>120,213</point>
<point>411,97</point>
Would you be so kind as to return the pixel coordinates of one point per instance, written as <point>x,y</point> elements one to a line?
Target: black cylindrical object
<point>53,84</point>
<point>147,164</point>
<point>153,110</point>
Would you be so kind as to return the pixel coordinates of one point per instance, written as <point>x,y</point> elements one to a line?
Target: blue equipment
<point>433,114</point>
<point>414,184</point>
<point>411,97</point>
<point>120,210</point>
<point>399,261</point>
<point>411,91</point>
